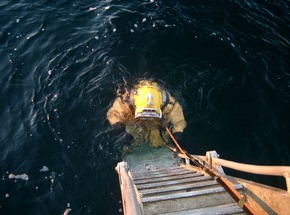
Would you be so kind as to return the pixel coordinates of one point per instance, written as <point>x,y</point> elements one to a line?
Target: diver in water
<point>144,110</point>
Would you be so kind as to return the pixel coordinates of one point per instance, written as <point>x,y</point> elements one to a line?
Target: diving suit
<point>144,110</point>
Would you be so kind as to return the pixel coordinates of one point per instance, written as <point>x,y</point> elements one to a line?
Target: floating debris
<point>66,211</point>
<point>21,176</point>
<point>44,169</point>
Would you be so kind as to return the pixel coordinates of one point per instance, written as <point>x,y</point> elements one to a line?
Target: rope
<point>221,180</point>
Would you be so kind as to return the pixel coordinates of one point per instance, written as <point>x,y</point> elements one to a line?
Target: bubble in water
<point>96,37</point>
<point>135,25</point>
<point>54,97</point>
<point>17,20</point>
<point>144,20</point>
<point>132,31</point>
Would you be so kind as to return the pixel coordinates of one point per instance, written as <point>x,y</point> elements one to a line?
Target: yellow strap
<point>242,202</point>
<point>216,177</point>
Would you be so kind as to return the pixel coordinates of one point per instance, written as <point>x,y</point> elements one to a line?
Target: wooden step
<point>213,198</point>
<point>159,173</point>
<point>183,195</point>
<point>188,194</point>
<point>167,178</point>
<point>186,187</point>
<point>174,182</point>
<point>217,210</point>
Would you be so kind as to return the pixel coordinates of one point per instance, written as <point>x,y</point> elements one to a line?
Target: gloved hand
<point>178,136</point>
<point>119,127</point>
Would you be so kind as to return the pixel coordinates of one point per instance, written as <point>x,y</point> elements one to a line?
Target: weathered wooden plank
<point>158,174</point>
<point>182,195</point>
<point>186,194</point>
<point>167,178</point>
<point>232,208</point>
<point>150,173</point>
<point>178,188</point>
<point>190,203</point>
<point>168,183</point>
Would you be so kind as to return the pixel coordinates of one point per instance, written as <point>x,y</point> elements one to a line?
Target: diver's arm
<point>115,113</point>
<point>176,118</point>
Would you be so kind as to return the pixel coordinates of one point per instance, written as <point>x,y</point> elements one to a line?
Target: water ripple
<point>63,62</point>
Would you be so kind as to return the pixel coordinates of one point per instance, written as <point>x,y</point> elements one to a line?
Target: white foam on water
<point>21,176</point>
<point>44,169</point>
<point>93,8</point>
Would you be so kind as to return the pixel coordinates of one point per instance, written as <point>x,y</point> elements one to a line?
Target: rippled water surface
<point>227,62</point>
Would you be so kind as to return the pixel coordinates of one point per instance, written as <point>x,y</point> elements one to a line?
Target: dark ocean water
<point>61,63</point>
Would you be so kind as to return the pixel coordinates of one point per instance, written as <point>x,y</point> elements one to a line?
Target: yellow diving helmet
<point>148,100</point>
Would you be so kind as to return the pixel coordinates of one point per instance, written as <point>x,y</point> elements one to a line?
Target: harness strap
<point>221,180</point>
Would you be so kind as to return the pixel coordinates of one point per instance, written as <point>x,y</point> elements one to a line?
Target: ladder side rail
<point>131,203</point>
